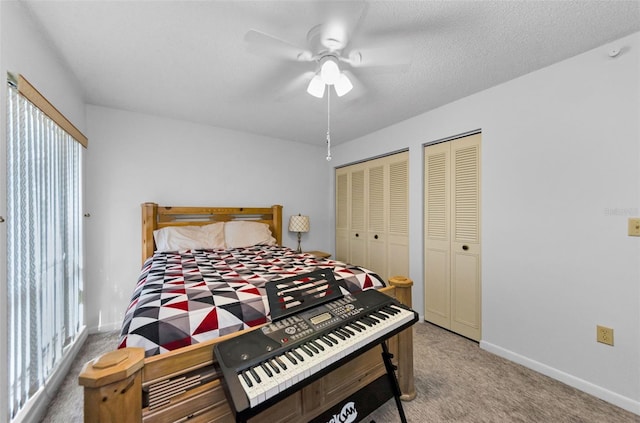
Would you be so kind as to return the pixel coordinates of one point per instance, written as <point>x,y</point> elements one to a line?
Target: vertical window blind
<point>44,246</point>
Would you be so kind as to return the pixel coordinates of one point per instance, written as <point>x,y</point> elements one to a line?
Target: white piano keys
<point>268,384</point>
<point>253,392</point>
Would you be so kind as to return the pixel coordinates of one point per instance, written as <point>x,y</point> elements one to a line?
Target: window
<point>44,241</point>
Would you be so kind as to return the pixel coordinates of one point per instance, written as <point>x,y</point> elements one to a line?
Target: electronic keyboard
<point>267,364</point>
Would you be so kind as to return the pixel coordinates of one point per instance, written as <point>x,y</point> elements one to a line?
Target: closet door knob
<point>375,236</point>
<point>1,219</point>
<point>465,247</point>
<point>357,235</point>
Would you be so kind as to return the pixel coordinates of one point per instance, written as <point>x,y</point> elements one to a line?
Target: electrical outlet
<point>604,335</point>
<point>634,226</point>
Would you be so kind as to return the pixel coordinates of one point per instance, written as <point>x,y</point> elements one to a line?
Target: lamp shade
<point>343,85</point>
<point>329,70</point>
<point>316,87</point>
<point>299,223</point>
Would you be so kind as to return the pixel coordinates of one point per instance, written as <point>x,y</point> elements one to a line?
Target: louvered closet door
<point>357,220</point>
<point>452,235</point>
<point>376,224</point>
<point>398,233</point>
<point>372,221</point>
<point>437,260</point>
<point>465,229</point>
<point>342,214</point>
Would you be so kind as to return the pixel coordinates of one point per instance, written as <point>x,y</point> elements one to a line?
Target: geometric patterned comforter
<point>187,297</point>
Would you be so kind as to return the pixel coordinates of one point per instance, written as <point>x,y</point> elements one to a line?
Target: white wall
<point>24,50</point>
<point>560,177</point>
<point>136,158</point>
<point>561,174</point>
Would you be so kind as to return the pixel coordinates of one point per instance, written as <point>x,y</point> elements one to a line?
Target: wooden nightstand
<point>319,254</point>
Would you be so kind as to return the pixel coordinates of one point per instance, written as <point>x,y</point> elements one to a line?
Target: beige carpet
<point>456,382</point>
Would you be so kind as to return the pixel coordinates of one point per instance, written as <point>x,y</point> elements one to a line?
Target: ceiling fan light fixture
<point>343,85</point>
<point>316,87</point>
<point>329,70</point>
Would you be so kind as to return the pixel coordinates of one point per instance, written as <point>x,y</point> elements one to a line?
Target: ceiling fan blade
<point>265,44</point>
<point>295,87</point>
<point>275,81</point>
<point>389,56</point>
<point>341,20</point>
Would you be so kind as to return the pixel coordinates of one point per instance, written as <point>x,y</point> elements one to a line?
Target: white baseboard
<point>597,391</point>
<point>108,327</point>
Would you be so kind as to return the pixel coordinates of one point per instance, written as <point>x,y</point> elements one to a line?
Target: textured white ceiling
<point>188,60</point>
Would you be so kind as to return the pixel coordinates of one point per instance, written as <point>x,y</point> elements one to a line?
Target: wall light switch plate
<point>634,226</point>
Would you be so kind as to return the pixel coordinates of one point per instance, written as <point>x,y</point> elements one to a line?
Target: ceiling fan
<point>329,47</point>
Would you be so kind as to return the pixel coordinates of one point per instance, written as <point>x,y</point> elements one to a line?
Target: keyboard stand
<point>393,380</point>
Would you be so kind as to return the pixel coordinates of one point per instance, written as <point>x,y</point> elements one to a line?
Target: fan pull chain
<point>329,124</point>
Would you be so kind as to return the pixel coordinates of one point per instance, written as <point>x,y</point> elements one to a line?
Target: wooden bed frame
<point>115,383</point>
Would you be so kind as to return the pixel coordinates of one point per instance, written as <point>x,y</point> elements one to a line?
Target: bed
<point>174,378</point>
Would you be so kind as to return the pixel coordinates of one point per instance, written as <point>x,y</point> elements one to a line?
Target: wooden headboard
<point>156,217</point>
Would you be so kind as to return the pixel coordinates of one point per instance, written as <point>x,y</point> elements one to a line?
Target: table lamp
<point>299,224</point>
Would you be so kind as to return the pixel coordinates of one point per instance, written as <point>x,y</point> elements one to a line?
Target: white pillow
<point>178,238</point>
<point>241,233</point>
<point>214,235</point>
